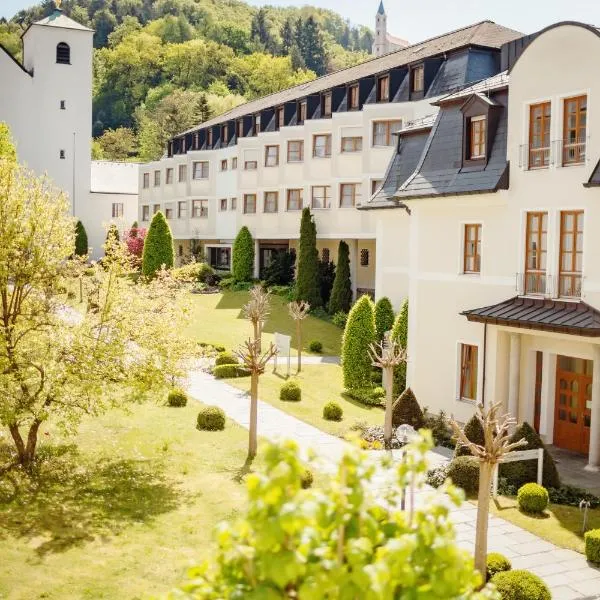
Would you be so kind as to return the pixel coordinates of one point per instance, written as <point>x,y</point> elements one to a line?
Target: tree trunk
<point>299,339</point>
<point>256,326</point>
<point>253,440</point>
<point>25,452</point>
<point>388,375</point>
<point>483,510</point>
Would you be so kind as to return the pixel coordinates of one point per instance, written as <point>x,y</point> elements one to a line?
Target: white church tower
<point>384,43</point>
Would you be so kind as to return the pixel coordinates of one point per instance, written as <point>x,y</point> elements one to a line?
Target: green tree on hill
<point>158,246</point>
<point>307,277</point>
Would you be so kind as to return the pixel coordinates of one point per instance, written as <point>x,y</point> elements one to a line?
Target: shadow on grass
<point>351,400</point>
<point>513,506</point>
<point>67,502</point>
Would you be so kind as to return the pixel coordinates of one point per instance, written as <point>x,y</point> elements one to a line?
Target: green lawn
<point>320,384</point>
<point>122,509</point>
<point>218,318</point>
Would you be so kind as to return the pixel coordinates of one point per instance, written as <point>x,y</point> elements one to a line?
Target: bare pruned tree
<point>299,310</point>
<point>257,309</point>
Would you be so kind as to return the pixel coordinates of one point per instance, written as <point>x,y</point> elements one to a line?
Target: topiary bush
<point>307,479</point>
<point>158,246</point>
<point>211,418</point>
<point>81,240</point>
<point>407,410</point>
<point>290,392</point>
<point>341,292</point>
<point>464,472</point>
<point>474,432</point>
<point>230,371</point>
<point>369,396</point>
<point>316,347</point>
<point>226,358</point>
<point>307,272</point>
<point>400,336</point>
<point>358,336</point>
<point>497,563</point>
<point>177,397</point>
<point>384,317</point>
<point>520,585</point>
<point>242,260</point>
<point>332,411</point>
<point>532,498</point>
<point>592,545</point>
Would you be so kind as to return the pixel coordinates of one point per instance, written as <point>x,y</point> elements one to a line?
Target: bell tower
<point>380,44</point>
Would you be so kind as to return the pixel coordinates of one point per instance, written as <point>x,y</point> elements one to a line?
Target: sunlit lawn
<point>218,319</point>
<point>124,512</point>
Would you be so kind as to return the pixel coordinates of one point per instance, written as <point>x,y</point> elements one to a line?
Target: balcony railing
<point>561,152</point>
<point>569,285</point>
<point>535,157</point>
<point>539,283</point>
<point>573,152</point>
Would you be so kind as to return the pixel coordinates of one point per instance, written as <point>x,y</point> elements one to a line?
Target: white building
<point>384,43</point>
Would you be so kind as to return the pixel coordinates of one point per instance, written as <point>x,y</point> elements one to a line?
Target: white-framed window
<point>322,145</point>
<point>155,208</point>
<point>146,212</point>
<point>352,144</point>
<point>146,181</point>
<point>321,196</point>
<point>251,165</point>
<point>295,151</point>
<point>294,199</point>
<point>234,163</point>
<point>249,204</point>
<point>270,202</point>
<point>169,176</point>
<point>383,132</point>
<point>234,204</point>
<point>200,169</point>
<point>200,209</point>
<point>156,178</point>
<point>271,156</point>
<point>350,194</point>
<point>182,209</point>
<point>182,173</point>
<point>117,210</point>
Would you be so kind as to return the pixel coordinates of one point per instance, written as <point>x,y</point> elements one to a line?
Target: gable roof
<point>60,20</point>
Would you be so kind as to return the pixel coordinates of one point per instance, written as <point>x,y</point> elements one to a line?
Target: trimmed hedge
<point>474,432</point>
<point>497,563</point>
<point>592,545</point>
<point>407,410</point>
<point>464,472</point>
<point>332,411</point>
<point>358,336</point>
<point>242,260</point>
<point>211,418</point>
<point>384,317</point>
<point>520,585</point>
<point>177,397</point>
<point>230,371</point>
<point>290,392</point>
<point>532,498</point>
<point>369,396</point>
<point>158,246</point>
<point>316,346</point>
<point>226,358</point>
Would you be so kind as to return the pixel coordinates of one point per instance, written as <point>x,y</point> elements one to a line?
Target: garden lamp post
<point>404,434</point>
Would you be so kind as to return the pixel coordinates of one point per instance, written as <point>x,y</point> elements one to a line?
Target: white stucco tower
<point>380,45</point>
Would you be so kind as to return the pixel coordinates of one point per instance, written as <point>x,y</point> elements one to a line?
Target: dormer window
<point>301,112</point>
<point>209,138</point>
<point>327,104</point>
<point>353,95</point>
<point>240,128</point>
<point>280,118</point>
<point>383,88</point>
<point>256,124</point>
<point>418,78</point>
<point>225,134</point>
<point>63,54</point>
<point>477,137</point>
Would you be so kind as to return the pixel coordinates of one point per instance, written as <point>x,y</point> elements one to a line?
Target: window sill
<point>574,164</point>
<point>249,214</point>
<point>320,207</point>
<point>475,274</point>
<point>270,212</point>
<point>321,157</point>
<point>466,401</point>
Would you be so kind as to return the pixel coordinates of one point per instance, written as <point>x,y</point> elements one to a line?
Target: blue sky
<point>416,20</point>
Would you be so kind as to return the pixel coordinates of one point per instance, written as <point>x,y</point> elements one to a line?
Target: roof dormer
<point>480,122</point>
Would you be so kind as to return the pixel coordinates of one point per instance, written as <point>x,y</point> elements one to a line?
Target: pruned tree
<point>496,435</point>
<point>257,309</point>
<point>299,310</point>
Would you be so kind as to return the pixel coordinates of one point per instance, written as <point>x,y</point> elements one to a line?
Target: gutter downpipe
<point>484,362</point>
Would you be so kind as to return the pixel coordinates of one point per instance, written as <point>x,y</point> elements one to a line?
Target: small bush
<point>226,358</point>
<point>440,429</point>
<point>332,411</point>
<point>339,319</point>
<point>290,392</point>
<point>211,346</point>
<point>194,272</point>
<point>567,495</point>
<point>370,396</point>
<point>474,432</point>
<point>177,397</point>
<point>497,563</point>
<point>520,585</point>
<point>532,498</point>
<point>211,418</point>
<point>316,347</point>
<point>464,472</point>
<point>437,476</point>
<point>592,545</point>
<point>307,479</point>
<point>407,410</point>
<point>230,371</point>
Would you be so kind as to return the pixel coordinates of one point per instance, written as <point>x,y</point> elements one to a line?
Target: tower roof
<point>58,19</point>
<point>381,10</point>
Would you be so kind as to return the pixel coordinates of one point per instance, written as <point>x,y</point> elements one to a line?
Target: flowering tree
<point>134,240</point>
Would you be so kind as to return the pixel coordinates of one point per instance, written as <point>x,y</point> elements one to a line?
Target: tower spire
<point>381,10</point>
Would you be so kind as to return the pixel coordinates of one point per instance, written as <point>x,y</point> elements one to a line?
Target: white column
<point>353,248</point>
<point>514,374</point>
<point>548,396</point>
<point>256,259</point>
<point>594,456</point>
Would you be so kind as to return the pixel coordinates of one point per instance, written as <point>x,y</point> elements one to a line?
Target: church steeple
<point>381,10</point>
<point>380,44</point>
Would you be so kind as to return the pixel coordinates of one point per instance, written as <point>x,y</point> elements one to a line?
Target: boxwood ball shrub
<point>290,392</point>
<point>211,418</point>
<point>226,358</point>
<point>230,371</point>
<point>177,397</point>
<point>520,585</point>
<point>497,563</point>
<point>464,472</point>
<point>316,346</point>
<point>592,545</point>
<point>332,411</point>
<point>532,498</point>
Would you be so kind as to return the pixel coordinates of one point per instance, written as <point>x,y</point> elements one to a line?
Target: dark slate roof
<point>381,10</point>
<point>484,86</point>
<point>594,180</point>
<point>575,318</point>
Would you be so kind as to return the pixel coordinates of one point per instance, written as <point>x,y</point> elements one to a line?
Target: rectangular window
<point>234,163</point>
<point>182,173</point>
<point>249,204</point>
<point>364,257</point>
<point>383,88</point>
<point>155,208</point>
<point>257,124</point>
<point>234,204</point>
<point>472,249</point>
<point>468,372</point>
<point>295,151</point>
<point>536,240</point>
<point>539,135</point>
<point>571,254</point>
<point>251,165</point>
<point>575,123</point>
<point>349,194</point>
<point>270,205</point>
<point>225,134</point>
<point>271,156</point>
<point>326,104</point>
<point>322,146</point>
<point>383,132</point>
<point>182,209</point>
<point>223,204</point>
<point>224,164</point>
<point>301,112</point>
<point>352,144</point>
<point>294,199</point>
<point>146,212</point>
<point>209,138</point>
<point>156,178</point>
<point>418,79</point>
<point>146,181</point>
<point>240,128</point>
<point>199,209</point>
<point>375,185</point>
<point>477,135</point>
<point>279,118</point>
<point>169,176</point>
<point>168,212</point>
<point>117,210</point>
<point>201,170</point>
<point>321,196</point>
<point>353,97</point>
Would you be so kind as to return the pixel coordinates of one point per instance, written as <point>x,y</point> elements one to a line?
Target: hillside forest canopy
<point>163,66</point>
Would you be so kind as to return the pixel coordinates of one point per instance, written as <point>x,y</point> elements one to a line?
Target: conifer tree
<point>307,278</point>
<point>287,36</point>
<point>81,240</point>
<point>113,233</point>
<point>384,317</point>
<point>341,293</point>
<point>242,262</point>
<point>400,336</point>
<point>311,45</point>
<point>158,246</point>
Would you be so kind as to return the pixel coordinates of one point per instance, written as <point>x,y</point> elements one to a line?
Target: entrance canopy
<point>575,318</point>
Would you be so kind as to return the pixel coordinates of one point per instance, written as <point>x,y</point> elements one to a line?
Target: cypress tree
<point>307,277</point>
<point>341,293</point>
<point>81,240</point>
<point>158,246</point>
<point>400,336</point>
<point>384,317</point>
<point>242,261</point>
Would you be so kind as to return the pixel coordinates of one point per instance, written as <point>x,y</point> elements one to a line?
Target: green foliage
<point>280,271</point>
<point>359,334</point>
<point>316,346</point>
<point>290,392</point>
<point>332,411</point>
<point>177,397</point>
<point>384,317</point>
<point>341,292</point>
<point>326,279</point>
<point>497,563</point>
<point>400,336</point>
<point>81,240</point>
<point>474,432</point>
<point>532,498</point>
<point>339,319</point>
<point>230,371</point>
<point>439,427</point>
<point>118,144</point>
<point>520,585</point>
<point>407,410</point>
<point>464,472</point>
<point>211,418</point>
<point>592,545</point>
<point>521,472</point>
<point>568,495</point>
<point>307,479</point>
<point>242,261</point>
<point>369,396</point>
<point>226,358</point>
<point>7,146</point>
<point>158,246</point>
<point>193,272</point>
<point>307,277</point>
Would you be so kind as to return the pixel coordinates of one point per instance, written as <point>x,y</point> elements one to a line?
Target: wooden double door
<point>572,414</point>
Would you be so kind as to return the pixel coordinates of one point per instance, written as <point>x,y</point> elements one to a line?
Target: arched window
<point>63,54</point>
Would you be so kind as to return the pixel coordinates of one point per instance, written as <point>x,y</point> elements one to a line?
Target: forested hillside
<point>161,66</point>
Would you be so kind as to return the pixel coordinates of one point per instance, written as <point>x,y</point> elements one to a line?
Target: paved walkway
<point>566,572</point>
